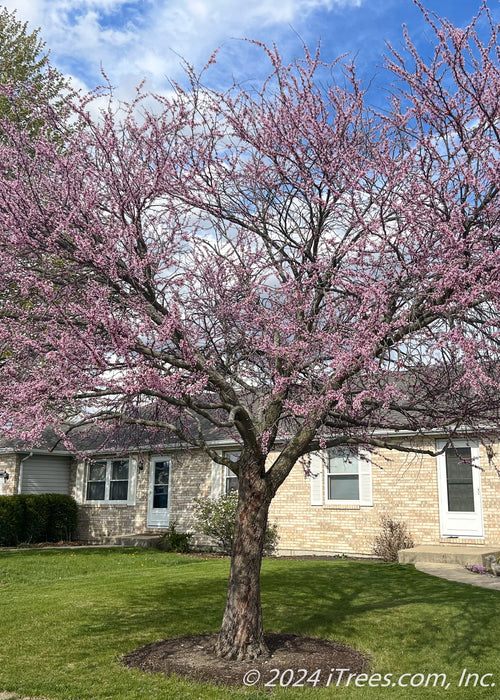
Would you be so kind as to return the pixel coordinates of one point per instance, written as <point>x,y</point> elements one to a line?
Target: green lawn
<point>67,616</point>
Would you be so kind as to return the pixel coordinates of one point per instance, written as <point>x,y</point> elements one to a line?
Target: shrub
<point>174,541</point>
<point>62,517</point>
<point>271,539</point>
<point>11,520</point>
<point>216,518</point>
<point>394,536</point>
<point>48,517</point>
<point>36,513</point>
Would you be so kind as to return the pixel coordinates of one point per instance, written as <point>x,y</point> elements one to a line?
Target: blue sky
<point>136,39</point>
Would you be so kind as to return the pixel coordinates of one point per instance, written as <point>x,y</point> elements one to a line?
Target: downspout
<point>20,478</point>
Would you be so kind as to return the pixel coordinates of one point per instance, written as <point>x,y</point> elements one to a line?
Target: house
<point>335,509</point>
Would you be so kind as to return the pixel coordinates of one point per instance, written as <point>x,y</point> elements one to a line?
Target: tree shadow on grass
<point>371,606</point>
<point>378,603</point>
<point>173,601</point>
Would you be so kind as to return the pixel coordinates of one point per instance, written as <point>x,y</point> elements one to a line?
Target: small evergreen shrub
<point>216,518</point>
<point>394,536</point>
<point>29,518</point>
<point>174,541</point>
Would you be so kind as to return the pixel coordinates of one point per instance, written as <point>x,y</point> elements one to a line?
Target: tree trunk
<point>242,634</point>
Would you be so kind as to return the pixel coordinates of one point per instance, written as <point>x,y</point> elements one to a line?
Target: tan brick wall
<point>189,479</point>
<point>403,486</point>
<point>490,486</point>
<point>10,464</point>
<point>96,522</point>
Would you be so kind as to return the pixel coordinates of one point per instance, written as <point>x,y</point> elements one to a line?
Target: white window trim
<point>228,474</point>
<point>216,481</point>
<point>80,482</point>
<point>107,482</point>
<point>152,511</point>
<point>316,467</point>
<point>365,478</point>
<point>441,463</point>
<point>319,481</point>
<point>219,475</point>
<point>355,459</point>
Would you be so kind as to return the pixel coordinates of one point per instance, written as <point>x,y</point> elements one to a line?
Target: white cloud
<point>144,39</point>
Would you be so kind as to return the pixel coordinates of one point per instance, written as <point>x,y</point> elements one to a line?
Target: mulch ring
<point>294,661</point>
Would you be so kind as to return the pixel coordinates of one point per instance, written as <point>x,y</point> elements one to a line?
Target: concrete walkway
<point>455,572</point>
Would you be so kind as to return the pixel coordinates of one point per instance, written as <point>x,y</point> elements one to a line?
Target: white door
<point>459,479</point>
<point>159,492</point>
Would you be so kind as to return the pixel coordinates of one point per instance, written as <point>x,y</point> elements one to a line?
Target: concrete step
<point>448,554</point>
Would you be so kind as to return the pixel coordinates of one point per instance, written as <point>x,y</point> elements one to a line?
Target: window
<point>459,480</point>
<point>160,484</point>
<point>342,476</point>
<point>108,480</point>
<point>230,478</point>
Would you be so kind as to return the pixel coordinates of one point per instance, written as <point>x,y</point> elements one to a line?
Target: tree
<point>25,69</point>
<point>26,79</point>
<point>286,266</point>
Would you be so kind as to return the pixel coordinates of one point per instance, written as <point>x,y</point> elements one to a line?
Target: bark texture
<point>242,634</point>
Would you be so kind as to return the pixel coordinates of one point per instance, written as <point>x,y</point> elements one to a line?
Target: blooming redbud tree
<point>284,266</point>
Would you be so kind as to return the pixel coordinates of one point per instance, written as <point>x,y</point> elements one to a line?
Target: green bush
<point>62,517</point>
<point>216,518</point>
<point>36,513</point>
<point>11,520</point>
<point>174,541</point>
<point>48,517</point>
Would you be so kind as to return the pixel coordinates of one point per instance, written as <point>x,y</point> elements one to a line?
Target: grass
<point>67,616</point>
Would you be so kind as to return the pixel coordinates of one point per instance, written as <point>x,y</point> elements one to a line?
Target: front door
<point>159,492</point>
<point>459,478</point>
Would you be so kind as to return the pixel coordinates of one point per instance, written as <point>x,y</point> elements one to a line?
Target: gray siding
<point>46,474</point>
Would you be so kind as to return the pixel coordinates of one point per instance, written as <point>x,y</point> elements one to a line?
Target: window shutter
<point>79,481</point>
<point>132,481</point>
<point>365,479</point>
<point>216,482</point>
<point>316,479</point>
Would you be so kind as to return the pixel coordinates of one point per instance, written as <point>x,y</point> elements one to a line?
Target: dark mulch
<point>192,657</point>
